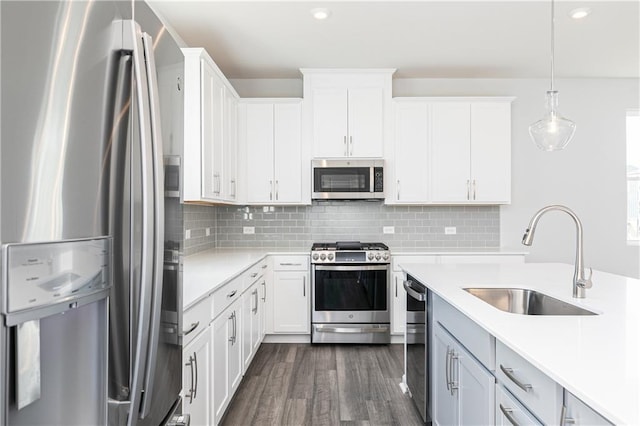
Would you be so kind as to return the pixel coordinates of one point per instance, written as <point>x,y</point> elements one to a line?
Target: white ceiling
<point>481,39</point>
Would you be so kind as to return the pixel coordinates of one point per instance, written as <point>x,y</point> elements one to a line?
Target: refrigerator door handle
<point>133,42</point>
<point>158,225</point>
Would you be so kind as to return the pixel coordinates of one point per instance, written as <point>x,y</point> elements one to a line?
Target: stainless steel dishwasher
<point>418,322</point>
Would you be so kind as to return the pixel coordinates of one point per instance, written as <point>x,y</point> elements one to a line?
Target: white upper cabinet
<point>347,112</point>
<point>270,136</point>
<point>450,151</point>
<point>210,122</point>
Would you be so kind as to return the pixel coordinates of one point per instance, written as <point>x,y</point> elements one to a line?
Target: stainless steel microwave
<point>347,179</point>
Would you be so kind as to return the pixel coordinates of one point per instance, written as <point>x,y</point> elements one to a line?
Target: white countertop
<point>596,358</point>
<point>458,251</point>
<point>206,271</point>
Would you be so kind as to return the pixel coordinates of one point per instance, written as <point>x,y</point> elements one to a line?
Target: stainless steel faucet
<point>580,283</point>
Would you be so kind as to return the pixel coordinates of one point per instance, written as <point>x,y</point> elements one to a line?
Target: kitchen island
<point>596,357</point>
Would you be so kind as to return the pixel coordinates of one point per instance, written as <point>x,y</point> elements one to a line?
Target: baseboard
<point>287,338</point>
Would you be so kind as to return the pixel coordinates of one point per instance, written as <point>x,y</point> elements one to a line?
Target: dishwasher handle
<point>420,297</point>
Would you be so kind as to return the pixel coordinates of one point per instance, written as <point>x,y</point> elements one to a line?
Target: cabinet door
<point>366,122</point>
<point>196,380</point>
<point>451,149</point>
<point>476,388</point>
<point>411,163</point>
<point>259,140</point>
<point>230,150</point>
<point>248,301</point>
<point>222,329</point>
<point>398,304</point>
<point>287,146</point>
<point>578,413</point>
<point>444,398</point>
<point>291,302</point>
<point>329,122</point>
<point>212,131</point>
<point>491,152</point>
<point>256,323</point>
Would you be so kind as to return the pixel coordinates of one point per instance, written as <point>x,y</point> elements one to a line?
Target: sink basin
<point>526,302</point>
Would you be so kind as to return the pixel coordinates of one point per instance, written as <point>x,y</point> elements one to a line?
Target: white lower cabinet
<point>196,379</point>
<point>291,295</point>
<point>579,413</point>
<point>227,357</point>
<point>251,324</point>
<point>510,412</point>
<point>462,388</point>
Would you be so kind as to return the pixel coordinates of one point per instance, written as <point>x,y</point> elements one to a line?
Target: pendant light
<point>553,132</point>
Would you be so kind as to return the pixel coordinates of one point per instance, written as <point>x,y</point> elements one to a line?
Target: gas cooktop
<point>350,252</point>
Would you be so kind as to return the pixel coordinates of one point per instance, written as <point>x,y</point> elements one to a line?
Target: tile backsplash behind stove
<point>297,227</point>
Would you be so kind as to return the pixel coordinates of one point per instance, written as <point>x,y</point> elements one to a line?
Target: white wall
<point>588,176</point>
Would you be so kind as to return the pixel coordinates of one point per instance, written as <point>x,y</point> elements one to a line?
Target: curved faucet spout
<point>580,282</point>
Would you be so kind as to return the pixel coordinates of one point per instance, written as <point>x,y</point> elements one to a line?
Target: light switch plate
<point>388,230</point>
<point>450,230</point>
<point>248,230</point>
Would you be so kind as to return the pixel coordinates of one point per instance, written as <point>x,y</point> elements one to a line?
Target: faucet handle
<point>586,282</point>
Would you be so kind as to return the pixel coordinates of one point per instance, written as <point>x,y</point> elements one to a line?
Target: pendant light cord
<point>552,41</point>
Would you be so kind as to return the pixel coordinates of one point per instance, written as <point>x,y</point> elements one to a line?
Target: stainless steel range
<point>350,293</point>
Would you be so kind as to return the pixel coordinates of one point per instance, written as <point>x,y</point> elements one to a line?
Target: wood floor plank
<point>304,384</point>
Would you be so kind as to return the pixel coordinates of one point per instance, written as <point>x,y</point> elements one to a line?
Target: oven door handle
<point>420,297</point>
<point>325,329</point>
<point>351,267</point>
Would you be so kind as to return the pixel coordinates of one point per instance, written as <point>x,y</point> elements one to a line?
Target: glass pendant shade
<point>553,132</point>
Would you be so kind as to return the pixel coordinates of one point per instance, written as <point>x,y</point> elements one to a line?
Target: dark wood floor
<point>303,384</point>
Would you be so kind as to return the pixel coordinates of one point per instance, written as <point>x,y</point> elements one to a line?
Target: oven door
<point>350,294</point>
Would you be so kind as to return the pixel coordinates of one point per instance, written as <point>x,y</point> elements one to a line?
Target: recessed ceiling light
<point>580,12</point>
<point>320,13</point>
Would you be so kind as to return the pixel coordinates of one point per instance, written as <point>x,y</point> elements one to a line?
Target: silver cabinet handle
<point>191,389</point>
<point>216,183</point>
<point>509,373</point>
<point>351,143</point>
<point>398,190</point>
<point>343,330</point>
<point>235,327</point>
<point>304,286</point>
<point>264,291</point>
<point>564,420</point>
<point>233,187</point>
<point>255,274</point>
<point>446,369</point>
<point>396,284</point>
<point>468,189</point>
<point>474,189</point>
<point>290,264</point>
<point>346,149</point>
<point>264,266</point>
<point>507,413</point>
<point>270,190</point>
<point>230,318</point>
<point>255,295</point>
<point>233,293</point>
<point>195,361</point>
<point>277,185</point>
<point>454,383</point>
<point>194,325</point>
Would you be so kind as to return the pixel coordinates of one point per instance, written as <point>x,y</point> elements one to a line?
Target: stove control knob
<point>323,256</point>
<point>370,256</point>
<point>330,256</point>
<point>377,256</point>
<point>315,256</point>
<point>385,256</point>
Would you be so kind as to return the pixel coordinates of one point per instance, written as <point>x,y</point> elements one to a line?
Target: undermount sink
<point>526,302</point>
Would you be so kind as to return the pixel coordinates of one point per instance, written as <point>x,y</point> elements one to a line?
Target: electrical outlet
<point>388,230</point>
<point>187,234</point>
<point>248,230</point>
<point>207,231</point>
<point>450,230</point>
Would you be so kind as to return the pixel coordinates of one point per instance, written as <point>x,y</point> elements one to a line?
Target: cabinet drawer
<point>253,274</point>
<point>509,411</point>
<point>473,337</point>
<point>396,261</point>
<point>226,295</point>
<point>533,388</point>
<point>290,263</point>
<point>195,320</point>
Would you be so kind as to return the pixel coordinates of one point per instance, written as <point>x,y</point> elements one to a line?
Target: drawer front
<point>290,263</point>
<point>253,274</point>
<point>226,295</point>
<point>579,413</point>
<point>473,337</point>
<point>510,412</point>
<point>539,393</point>
<point>396,261</point>
<point>195,320</point>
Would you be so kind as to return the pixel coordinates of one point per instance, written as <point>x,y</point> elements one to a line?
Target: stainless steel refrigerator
<point>90,224</point>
